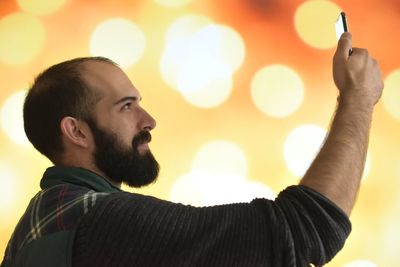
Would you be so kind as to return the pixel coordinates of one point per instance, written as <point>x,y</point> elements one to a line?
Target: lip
<point>143,146</point>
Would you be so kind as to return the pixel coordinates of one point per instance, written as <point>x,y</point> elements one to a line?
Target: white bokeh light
<point>120,40</point>
<point>277,90</point>
<point>202,188</point>
<point>219,42</point>
<point>205,83</point>
<point>303,144</point>
<point>186,26</point>
<point>391,234</point>
<point>178,39</point>
<point>199,60</point>
<point>12,118</point>
<point>173,3</point>
<point>218,176</point>
<point>221,157</point>
<point>301,147</point>
<point>360,263</point>
<point>391,94</point>
<point>8,187</point>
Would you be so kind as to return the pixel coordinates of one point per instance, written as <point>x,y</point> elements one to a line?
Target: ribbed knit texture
<point>298,228</point>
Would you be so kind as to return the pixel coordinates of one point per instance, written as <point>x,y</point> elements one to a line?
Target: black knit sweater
<point>299,227</point>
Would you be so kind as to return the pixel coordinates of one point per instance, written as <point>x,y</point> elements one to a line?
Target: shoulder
<point>55,209</point>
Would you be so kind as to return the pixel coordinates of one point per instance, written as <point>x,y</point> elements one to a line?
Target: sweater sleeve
<point>298,228</point>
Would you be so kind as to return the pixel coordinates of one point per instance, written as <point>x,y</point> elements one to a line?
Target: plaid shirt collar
<point>57,175</point>
<point>67,194</point>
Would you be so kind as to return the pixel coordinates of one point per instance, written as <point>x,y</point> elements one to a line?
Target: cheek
<point>126,132</point>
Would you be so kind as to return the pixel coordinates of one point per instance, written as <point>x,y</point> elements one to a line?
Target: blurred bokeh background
<point>241,89</point>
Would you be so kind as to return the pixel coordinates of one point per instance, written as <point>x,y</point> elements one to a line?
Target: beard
<point>124,164</point>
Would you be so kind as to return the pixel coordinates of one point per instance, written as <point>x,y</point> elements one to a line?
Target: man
<point>85,116</point>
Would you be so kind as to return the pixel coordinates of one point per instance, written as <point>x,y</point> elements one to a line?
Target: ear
<point>74,131</point>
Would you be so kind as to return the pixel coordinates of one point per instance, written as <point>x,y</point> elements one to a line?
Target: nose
<point>148,122</point>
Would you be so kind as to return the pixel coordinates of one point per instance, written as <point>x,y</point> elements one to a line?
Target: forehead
<point>108,80</point>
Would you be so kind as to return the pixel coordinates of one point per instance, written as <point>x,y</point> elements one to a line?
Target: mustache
<point>141,138</point>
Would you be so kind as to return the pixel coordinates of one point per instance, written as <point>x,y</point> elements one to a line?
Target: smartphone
<point>341,25</point>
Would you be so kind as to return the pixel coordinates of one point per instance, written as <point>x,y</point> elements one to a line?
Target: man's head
<point>85,112</point>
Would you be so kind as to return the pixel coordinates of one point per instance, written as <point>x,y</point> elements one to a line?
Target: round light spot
<point>186,192</point>
<point>225,191</point>
<point>391,234</point>
<point>177,46</point>
<point>252,190</point>
<point>8,188</point>
<point>205,83</point>
<point>391,94</point>
<point>303,144</point>
<point>277,90</point>
<point>199,60</point>
<point>221,42</point>
<point>186,26</point>
<point>173,3</point>
<point>120,40</point>
<point>40,7</point>
<point>221,158</point>
<point>172,59</point>
<point>315,23</point>
<point>22,37</point>
<point>12,118</point>
<point>202,188</point>
<point>301,147</point>
<point>360,263</point>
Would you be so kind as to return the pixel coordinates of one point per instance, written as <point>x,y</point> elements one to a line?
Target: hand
<point>356,75</point>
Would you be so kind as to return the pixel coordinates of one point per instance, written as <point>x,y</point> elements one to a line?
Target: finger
<point>360,54</point>
<point>344,46</point>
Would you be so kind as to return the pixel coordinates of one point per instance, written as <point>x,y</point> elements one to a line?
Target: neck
<point>102,174</point>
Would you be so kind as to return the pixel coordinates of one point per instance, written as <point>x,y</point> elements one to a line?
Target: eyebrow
<point>128,98</point>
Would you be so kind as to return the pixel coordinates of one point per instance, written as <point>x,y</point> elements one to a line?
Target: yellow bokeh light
<point>12,118</point>
<point>120,40</point>
<point>301,147</point>
<point>391,94</point>
<point>8,187</point>
<point>22,37</point>
<point>360,263</point>
<point>221,158</point>
<point>40,7</point>
<point>315,23</point>
<point>173,3</point>
<point>277,90</point>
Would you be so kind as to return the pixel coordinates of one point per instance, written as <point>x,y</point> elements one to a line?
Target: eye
<point>126,106</point>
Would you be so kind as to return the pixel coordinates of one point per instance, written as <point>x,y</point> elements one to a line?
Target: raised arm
<point>337,169</point>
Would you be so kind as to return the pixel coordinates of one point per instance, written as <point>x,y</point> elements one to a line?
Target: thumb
<point>344,45</point>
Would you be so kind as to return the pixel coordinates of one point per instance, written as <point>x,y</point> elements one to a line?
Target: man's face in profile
<point>120,127</point>
<point>124,163</point>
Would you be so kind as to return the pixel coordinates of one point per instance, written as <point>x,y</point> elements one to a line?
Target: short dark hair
<point>57,92</point>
